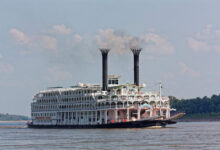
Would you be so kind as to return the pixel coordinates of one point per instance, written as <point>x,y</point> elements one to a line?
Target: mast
<point>160,97</point>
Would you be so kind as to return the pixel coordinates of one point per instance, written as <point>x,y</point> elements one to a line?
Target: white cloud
<point>61,29</point>
<point>56,74</point>
<point>156,43</point>
<point>109,39</point>
<point>205,33</point>
<point>19,36</point>
<point>77,38</point>
<point>1,56</point>
<point>74,41</point>
<point>217,32</point>
<point>48,42</point>
<point>186,70</point>
<point>5,68</point>
<point>206,40</point>
<point>35,41</point>
<point>197,45</point>
<point>150,42</point>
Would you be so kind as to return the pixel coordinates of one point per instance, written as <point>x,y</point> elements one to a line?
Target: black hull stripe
<point>132,124</point>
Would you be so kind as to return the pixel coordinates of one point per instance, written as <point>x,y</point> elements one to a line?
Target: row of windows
<point>90,106</point>
<point>75,92</point>
<point>90,98</point>
<point>43,114</point>
<point>65,99</point>
<point>55,107</point>
<point>34,108</point>
<point>77,98</point>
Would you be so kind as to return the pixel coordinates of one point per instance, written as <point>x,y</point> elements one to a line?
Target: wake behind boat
<point>111,105</point>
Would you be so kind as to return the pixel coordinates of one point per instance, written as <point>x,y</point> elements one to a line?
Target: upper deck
<point>92,93</point>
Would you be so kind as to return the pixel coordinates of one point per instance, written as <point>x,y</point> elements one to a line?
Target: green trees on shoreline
<point>7,117</point>
<point>209,107</point>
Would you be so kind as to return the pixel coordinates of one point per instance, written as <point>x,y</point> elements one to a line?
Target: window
<point>116,81</point>
<point>113,81</point>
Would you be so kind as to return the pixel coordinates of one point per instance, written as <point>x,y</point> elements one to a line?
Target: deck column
<point>67,113</point>
<point>72,118</point>
<point>106,116</point>
<point>138,114</point>
<point>151,111</point>
<point>167,113</point>
<point>128,114</point>
<point>64,118</point>
<point>91,116</point>
<point>79,116</point>
<point>83,115</point>
<point>116,115</point>
<point>100,119</point>
<point>95,117</point>
<point>76,120</point>
<point>85,118</point>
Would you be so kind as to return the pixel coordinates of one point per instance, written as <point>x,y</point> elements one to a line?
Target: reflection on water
<point>190,135</point>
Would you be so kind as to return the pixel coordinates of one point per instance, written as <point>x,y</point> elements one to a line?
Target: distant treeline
<point>7,117</point>
<point>198,107</point>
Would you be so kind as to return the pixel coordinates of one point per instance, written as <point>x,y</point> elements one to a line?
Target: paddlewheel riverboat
<point>111,105</point>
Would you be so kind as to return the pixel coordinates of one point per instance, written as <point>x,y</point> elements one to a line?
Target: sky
<point>48,43</point>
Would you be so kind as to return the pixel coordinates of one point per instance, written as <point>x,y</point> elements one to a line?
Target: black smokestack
<point>136,52</point>
<point>104,52</point>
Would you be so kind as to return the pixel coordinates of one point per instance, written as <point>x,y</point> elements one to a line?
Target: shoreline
<point>13,121</point>
<point>199,120</point>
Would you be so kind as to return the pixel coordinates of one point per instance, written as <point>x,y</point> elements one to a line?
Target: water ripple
<point>190,135</point>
